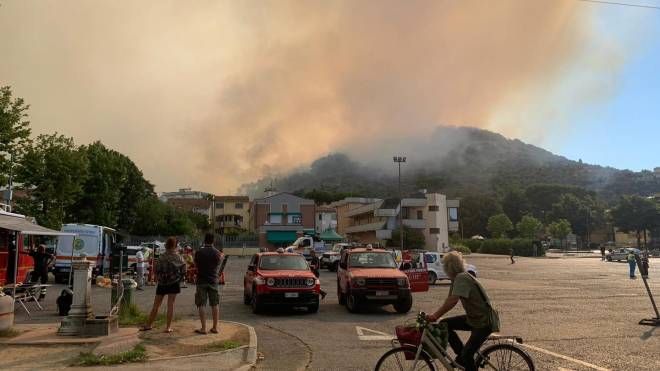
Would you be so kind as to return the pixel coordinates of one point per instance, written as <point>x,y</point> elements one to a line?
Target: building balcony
<point>365,227</point>
<point>363,209</point>
<point>415,223</point>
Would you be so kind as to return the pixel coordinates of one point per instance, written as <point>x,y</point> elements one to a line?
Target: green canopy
<point>330,235</point>
<point>281,236</point>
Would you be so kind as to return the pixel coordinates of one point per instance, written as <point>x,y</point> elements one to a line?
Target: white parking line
<point>377,335</point>
<point>567,358</point>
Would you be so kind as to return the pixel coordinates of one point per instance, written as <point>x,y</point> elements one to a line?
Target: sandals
<point>214,331</point>
<point>146,328</point>
<point>168,331</point>
<point>199,331</point>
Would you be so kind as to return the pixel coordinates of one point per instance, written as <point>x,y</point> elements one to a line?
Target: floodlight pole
<point>399,160</point>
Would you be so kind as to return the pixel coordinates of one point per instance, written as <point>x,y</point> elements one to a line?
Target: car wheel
<point>352,303</point>
<point>609,258</point>
<point>246,298</point>
<point>432,278</point>
<point>314,308</point>
<point>403,306</point>
<point>257,307</point>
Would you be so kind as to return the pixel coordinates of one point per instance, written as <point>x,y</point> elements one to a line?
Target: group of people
<point>171,274</point>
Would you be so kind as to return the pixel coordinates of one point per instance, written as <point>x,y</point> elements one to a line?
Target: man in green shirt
<point>478,313</point>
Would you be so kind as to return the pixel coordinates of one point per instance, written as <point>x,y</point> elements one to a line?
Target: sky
<point>215,94</point>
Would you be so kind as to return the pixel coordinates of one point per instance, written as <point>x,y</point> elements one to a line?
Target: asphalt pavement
<point>573,313</point>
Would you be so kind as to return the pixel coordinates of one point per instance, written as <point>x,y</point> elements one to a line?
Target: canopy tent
<point>281,237</point>
<point>330,235</point>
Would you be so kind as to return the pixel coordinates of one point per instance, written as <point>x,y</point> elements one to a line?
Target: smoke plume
<point>215,94</point>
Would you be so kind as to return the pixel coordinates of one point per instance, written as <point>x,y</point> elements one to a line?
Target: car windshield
<point>283,262</point>
<point>337,248</point>
<point>371,260</point>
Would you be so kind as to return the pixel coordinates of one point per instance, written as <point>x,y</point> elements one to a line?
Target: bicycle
<point>421,352</point>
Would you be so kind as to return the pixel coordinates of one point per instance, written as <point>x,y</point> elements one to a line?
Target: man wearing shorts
<point>207,261</point>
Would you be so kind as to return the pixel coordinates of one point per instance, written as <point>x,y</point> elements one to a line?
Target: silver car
<point>621,254</point>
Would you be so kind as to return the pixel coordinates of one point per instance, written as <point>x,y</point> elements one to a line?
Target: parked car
<point>433,262</point>
<point>280,279</point>
<point>621,254</point>
<point>368,275</point>
<point>330,259</point>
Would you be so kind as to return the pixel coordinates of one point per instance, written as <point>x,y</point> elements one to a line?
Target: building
<point>184,193</point>
<point>326,218</point>
<point>281,218</point>
<point>232,215</point>
<point>195,205</point>
<point>342,207</point>
<point>430,213</point>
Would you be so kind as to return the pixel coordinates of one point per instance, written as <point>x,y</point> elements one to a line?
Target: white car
<point>330,259</point>
<point>433,262</point>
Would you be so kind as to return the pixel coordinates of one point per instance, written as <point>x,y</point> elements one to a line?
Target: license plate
<point>382,293</point>
<point>290,294</point>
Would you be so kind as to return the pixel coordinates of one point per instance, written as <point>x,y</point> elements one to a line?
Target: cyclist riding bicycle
<point>480,318</point>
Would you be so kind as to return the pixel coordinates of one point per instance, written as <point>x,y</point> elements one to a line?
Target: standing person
<point>480,318</point>
<point>139,268</point>
<point>315,265</point>
<point>207,262</point>
<point>170,270</point>
<point>511,255</point>
<point>602,252</point>
<point>632,263</point>
<point>42,260</point>
<point>190,266</point>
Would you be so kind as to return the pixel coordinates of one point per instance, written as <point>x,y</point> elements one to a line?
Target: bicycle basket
<point>408,335</point>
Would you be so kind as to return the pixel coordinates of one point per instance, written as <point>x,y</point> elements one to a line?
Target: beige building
<point>373,222</point>
<point>232,214</point>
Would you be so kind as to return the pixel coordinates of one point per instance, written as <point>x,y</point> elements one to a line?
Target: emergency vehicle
<point>94,241</point>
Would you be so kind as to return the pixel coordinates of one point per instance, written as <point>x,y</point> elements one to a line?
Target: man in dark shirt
<point>207,261</point>
<point>42,260</point>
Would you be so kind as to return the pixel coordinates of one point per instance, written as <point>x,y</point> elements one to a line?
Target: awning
<point>16,222</point>
<point>281,236</point>
<point>330,235</point>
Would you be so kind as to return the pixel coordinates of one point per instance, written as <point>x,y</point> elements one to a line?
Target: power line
<point>621,4</point>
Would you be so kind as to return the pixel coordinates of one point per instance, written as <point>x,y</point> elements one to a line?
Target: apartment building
<point>342,208</point>
<point>232,214</point>
<point>326,218</point>
<point>430,213</point>
<point>184,193</point>
<point>195,205</point>
<point>281,218</point>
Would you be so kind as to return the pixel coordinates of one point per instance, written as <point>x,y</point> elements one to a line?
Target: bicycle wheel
<point>506,357</point>
<point>395,359</point>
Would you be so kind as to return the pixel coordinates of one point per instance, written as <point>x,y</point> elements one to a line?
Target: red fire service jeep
<point>367,275</point>
<point>280,279</point>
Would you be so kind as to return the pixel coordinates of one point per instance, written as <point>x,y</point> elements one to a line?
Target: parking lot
<point>574,313</point>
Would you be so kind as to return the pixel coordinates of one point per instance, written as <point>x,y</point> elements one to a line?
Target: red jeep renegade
<point>280,279</point>
<point>369,275</point>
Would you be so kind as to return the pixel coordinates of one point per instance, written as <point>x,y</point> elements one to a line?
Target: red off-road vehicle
<point>280,279</point>
<point>367,275</point>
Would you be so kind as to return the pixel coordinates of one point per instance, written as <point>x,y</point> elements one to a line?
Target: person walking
<point>632,263</point>
<point>207,261</point>
<point>315,265</point>
<point>140,265</point>
<point>602,252</point>
<point>170,270</point>
<point>42,260</point>
<point>511,252</point>
<point>479,318</point>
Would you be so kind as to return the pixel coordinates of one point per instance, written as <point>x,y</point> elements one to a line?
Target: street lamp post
<point>399,160</point>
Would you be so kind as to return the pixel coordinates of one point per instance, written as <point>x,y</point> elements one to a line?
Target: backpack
<point>64,302</point>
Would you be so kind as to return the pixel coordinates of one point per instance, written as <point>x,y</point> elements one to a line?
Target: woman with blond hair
<point>479,318</point>
<point>170,270</point>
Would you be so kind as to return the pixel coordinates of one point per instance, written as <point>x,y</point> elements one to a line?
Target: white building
<point>326,218</point>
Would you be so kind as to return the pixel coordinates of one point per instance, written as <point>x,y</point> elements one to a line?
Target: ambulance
<point>93,241</point>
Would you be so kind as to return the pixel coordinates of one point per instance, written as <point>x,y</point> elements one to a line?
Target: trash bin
<point>129,288</point>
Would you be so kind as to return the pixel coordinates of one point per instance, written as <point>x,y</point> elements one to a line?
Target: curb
<point>251,353</point>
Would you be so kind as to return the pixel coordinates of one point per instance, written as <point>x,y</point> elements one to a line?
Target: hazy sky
<point>213,94</point>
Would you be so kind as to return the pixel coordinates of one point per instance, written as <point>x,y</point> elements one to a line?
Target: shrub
<point>461,248</point>
<point>474,245</point>
<point>502,246</point>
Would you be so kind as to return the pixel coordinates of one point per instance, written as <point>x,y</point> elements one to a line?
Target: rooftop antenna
<point>270,190</point>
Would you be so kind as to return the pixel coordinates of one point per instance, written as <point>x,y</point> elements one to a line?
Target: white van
<point>94,241</point>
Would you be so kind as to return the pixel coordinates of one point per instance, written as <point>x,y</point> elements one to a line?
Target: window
<point>320,217</point>
<point>274,218</point>
<point>453,214</point>
<point>219,205</point>
<point>238,205</point>
<point>294,219</point>
<point>420,214</point>
<point>434,208</point>
<point>430,258</point>
<point>434,230</point>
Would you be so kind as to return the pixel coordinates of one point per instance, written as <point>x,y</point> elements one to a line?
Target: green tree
<point>52,171</point>
<point>474,213</point>
<point>529,227</point>
<point>515,204</point>
<point>133,190</point>
<point>560,229</point>
<point>636,214</point>
<point>14,130</point>
<point>150,218</point>
<point>498,225</point>
<point>412,238</point>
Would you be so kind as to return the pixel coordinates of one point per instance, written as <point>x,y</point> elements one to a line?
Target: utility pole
<point>399,160</point>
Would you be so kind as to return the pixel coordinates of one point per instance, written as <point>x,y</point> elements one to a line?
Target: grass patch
<point>131,315</point>
<point>9,333</point>
<point>222,345</point>
<point>138,354</point>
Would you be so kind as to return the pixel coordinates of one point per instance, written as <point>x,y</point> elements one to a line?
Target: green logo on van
<point>78,244</point>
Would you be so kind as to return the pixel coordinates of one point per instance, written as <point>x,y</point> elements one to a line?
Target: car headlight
<point>402,282</point>
<point>259,280</point>
<point>310,281</point>
<point>270,282</point>
<point>360,282</point>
